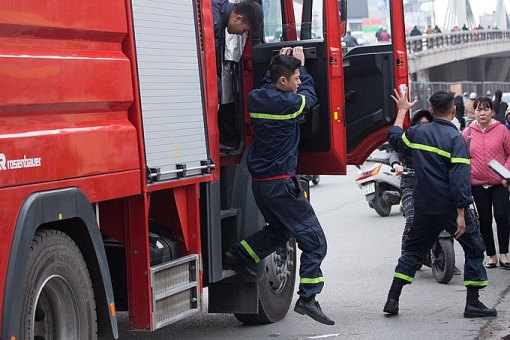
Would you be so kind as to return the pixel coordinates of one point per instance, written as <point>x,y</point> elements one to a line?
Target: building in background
<point>419,13</point>
<point>498,18</point>
<point>367,16</point>
<point>357,11</point>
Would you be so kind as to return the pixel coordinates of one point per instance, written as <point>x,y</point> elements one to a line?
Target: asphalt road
<point>362,252</point>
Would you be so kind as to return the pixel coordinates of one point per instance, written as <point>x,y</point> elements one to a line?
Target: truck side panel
<point>65,91</point>
<point>170,86</point>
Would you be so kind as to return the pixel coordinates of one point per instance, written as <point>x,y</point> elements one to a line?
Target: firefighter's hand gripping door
<point>353,88</point>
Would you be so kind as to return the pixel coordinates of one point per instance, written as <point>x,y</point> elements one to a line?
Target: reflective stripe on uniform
<point>434,150</point>
<point>476,283</point>
<point>280,117</point>
<point>403,277</point>
<point>250,251</point>
<point>461,160</point>
<point>311,280</point>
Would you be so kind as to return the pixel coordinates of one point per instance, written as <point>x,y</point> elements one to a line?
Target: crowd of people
<point>466,110</point>
<point>383,36</point>
<point>475,33</point>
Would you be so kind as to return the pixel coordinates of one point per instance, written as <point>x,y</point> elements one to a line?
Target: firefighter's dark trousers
<point>287,213</point>
<point>423,234</point>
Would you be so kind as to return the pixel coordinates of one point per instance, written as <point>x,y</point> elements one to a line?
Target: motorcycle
<point>378,184</point>
<point>315,179</point>
<point>441,258</point>
<point>382,190</point>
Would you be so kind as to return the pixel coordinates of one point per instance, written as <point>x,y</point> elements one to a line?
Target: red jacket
<point>494,143</point>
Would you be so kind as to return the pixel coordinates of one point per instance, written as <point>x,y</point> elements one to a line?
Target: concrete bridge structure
<point>466,55</point>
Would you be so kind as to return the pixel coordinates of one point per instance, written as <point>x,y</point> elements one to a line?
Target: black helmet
<point>419,114</point>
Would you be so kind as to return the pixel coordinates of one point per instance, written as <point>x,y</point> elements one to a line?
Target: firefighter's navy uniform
<point>443,184</point>
<point>272,160</point>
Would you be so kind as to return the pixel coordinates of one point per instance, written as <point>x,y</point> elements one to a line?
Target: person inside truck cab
<point>276,109</point>
<point>237,19</point>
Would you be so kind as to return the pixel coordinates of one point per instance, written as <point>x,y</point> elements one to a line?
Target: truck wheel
<point>276,288</point>
<point>381,207</point>
<point>57,296</point>
<point>443,261</point>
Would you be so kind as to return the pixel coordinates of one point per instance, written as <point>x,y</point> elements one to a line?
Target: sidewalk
<point>499,327</point>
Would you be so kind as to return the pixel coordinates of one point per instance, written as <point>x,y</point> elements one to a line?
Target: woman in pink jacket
<point>488,139</point>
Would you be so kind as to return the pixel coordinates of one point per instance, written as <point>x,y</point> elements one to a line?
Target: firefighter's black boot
<point>313,310</point>
<point>475,308</point>
<point>231,262</point>
<point>391,305</point>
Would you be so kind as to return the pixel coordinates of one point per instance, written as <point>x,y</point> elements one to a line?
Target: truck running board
<point>175,290</point>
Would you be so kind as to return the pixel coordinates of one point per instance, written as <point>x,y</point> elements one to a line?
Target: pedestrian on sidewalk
<point>488,139</point>
<point>499,107</point>
<point>385,36</point>
<point>459,112</point>
<point>469,109</point>
<point>417,44</point>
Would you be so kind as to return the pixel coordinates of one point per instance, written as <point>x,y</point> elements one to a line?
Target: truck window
<point>307,26</point>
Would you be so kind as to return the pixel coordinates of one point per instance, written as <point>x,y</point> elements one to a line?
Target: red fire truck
<point>115,193</point>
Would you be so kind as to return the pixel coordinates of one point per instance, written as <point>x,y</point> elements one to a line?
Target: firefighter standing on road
<point>442,193</point>
<point>276,110</point>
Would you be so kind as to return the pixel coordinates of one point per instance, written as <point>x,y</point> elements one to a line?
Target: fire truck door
<point>287,24</point>
<point>371,74</point>
<point>369,109</point>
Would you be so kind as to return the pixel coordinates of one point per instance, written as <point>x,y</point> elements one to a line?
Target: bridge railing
<point>424,43</point>
<point>422,91</point>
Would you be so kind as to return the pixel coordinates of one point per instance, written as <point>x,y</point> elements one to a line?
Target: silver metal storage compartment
<point>170,88</point>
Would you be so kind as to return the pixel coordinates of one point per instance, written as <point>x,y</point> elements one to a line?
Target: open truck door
<point>354,109</point>
<point>371,73</point>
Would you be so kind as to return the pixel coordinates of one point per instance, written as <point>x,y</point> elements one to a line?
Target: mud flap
<point>242,298</point>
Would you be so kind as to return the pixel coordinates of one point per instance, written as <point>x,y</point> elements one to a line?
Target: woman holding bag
<point>488,139</point>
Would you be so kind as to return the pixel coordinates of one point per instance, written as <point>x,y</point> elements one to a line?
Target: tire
<point>276,289</point>
<point>443,260</point>
<point>57,297</point>
<point>316,179</point>
<point>381,207</point>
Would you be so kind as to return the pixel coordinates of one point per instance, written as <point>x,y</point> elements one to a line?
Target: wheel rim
<point>279,268</point>
<point>439,259</point>
<point>56,315</point>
